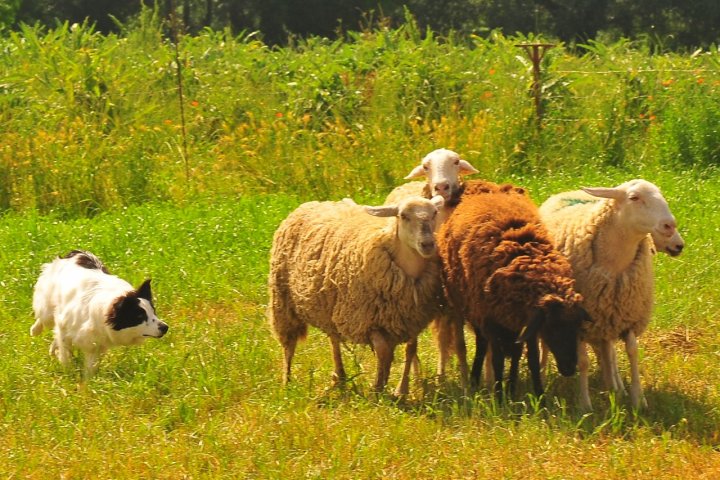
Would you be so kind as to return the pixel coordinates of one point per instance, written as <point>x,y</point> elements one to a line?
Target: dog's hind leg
<point>63,347</point>
<point>36,328</point>
<point>53,348</point>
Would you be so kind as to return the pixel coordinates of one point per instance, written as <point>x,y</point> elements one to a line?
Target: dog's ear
<point>144,291</point>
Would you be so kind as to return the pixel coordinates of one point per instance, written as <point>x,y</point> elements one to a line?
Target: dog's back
<point>60,282</point>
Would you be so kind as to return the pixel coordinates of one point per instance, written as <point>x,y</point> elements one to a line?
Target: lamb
<point>357,277</point>
<point>608,235</point>
<point>504,277</point>
<point>443,169</point>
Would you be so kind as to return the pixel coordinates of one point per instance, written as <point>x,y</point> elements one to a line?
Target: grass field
<point>90,153</point>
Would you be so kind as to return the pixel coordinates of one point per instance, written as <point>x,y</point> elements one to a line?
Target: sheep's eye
<point>634,198</point>
<point>457,162</point>
<point>425,167</point>
<point>404,217</point>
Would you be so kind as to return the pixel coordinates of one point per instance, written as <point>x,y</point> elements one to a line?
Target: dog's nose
<point>163,329</point>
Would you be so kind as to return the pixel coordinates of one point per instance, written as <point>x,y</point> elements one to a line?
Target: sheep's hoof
<point>401,391</point>
<point>585,405</point>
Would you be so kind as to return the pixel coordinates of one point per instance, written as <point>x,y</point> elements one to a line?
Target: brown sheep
<point>504,277</point>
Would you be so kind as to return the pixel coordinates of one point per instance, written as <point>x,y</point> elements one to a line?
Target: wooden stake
<point>536,52</point>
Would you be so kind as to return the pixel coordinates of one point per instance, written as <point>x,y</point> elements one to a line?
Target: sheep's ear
<point>466,168</point>
<point>416,172</point>
<point>603,192</point>
<point>532,328</point>
<point>383,211</point>
<point>438,201</point>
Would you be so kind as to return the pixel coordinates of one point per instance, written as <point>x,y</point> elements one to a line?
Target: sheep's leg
<point>515,355</point>
<point>583,367</point>
<point>481,347</point>
<point>460,350</point>
<point>636,395</point>
<point>384,352</point>
<point>619,385</point>
<point>608,363</point>
<point>535,365</point>
<point>602,355</point>
<point>339,375</point>
<point>498,359</point>
<point>288,352</point>
<point>442,328</point>
<point>544,356</point>
<point>403,387</point>
<point>489,372</point>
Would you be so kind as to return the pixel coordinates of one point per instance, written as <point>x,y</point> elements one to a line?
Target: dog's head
<point>132,316</point>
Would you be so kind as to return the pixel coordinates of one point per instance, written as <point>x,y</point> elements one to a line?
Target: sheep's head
<point>415,222</point>
<point>642,209</point>
<point>558,323</point>
<point>443,168</point>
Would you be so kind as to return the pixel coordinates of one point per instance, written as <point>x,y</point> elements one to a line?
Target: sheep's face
<point>416,218</point>
<point>560,332</point>
<point>642,208</point>
<point>443,168</point>
<point>416,224</point>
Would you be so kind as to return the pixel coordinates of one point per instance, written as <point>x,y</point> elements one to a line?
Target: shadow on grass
<point>669,411</point>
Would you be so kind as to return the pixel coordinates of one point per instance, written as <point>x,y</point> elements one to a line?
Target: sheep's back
<point>410,189</point>
<point>486,232</point>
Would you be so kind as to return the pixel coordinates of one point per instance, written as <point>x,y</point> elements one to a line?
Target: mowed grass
<point>206,400</point>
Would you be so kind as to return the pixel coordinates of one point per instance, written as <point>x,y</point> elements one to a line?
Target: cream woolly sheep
<point>609,245</point>
<point>357,277</point>
<point>443,169</point>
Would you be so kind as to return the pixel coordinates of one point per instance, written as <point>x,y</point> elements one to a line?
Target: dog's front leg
<point>92,358</point>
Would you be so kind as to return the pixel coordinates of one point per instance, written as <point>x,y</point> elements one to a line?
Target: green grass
<point>206,400</point>
<point>91,157</point>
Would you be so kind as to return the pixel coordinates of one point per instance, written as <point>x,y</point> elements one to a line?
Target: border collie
<point>91,310</point>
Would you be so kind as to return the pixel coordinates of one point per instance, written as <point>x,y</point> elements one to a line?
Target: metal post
<point>536,52</point>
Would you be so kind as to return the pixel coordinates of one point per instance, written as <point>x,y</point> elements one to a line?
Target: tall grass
<point>91,122</point>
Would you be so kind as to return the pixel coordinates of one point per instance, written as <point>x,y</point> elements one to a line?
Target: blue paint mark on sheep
<point>569,202</point>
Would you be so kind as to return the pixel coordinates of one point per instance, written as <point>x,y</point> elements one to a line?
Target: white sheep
<point>357,277</point>
<point>443,169</point>
<point>609,244</point>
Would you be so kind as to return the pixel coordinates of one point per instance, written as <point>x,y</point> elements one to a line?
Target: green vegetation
<point>91,157</point>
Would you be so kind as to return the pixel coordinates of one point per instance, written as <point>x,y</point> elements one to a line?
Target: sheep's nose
<point>427,245</point>
<point>442,187</point>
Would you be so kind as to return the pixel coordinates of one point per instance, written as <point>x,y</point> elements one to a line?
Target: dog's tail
<point>87,260</point>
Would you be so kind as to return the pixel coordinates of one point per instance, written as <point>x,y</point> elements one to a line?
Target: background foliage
<point>667,23</point>
<point>92,121</point>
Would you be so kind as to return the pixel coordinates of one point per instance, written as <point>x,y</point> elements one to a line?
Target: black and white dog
<point>91,310</point>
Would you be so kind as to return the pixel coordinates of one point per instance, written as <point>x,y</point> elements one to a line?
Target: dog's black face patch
<point>87,260</point>
<point>126,312</point>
